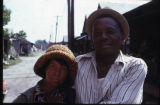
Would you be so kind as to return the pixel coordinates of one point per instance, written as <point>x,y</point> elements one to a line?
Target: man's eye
<point>110,32</point>
<point>97,33</point>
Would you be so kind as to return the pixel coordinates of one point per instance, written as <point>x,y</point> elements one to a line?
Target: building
<point>144,24</point>
<point>22,46</point>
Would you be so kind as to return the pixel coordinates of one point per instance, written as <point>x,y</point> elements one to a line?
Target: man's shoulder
<point>134,61</point>
<point>136,64</point>
<point>83,56</point>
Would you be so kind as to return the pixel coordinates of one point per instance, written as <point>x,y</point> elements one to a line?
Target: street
<point>20,77</point>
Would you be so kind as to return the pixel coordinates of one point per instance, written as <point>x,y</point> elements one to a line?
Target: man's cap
<point>110,12</point>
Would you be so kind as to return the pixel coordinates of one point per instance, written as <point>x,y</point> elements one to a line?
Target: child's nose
<point>57,72</point>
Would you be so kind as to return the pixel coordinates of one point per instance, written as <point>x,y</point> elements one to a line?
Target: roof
<point>123,6</point>
<point>147,9</point>
<point>23,41</point>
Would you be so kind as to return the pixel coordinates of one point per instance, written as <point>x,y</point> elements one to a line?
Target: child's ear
<point>45,70</point>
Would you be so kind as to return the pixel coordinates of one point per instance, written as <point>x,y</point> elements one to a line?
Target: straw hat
<point>106,11</point>
<point>59,52</point>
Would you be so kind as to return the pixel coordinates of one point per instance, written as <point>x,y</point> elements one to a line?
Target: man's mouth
<point>106,45</point>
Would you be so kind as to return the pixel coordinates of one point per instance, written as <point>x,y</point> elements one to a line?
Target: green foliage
<point>33,54</point>
<point>6,32</point>
<point>20,35</point>
<point>6,15</point>
<point>11,62</point>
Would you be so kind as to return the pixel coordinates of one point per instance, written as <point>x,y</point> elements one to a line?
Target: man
<point>106,75</point>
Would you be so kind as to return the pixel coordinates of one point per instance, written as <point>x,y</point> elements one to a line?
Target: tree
<point>6,32</point>
<point>20,35</point>
<point>6,15</point>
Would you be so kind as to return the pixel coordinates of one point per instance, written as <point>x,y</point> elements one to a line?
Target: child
<point>58,68</point>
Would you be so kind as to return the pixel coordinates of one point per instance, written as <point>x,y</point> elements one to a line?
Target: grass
<point>11,62</point>
<point>33,54</point>
<point>17,60</point>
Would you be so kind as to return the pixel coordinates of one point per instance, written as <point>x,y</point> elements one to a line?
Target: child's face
<point>56,73</point>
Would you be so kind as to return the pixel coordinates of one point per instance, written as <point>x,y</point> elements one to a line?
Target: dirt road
<point>20,77</point>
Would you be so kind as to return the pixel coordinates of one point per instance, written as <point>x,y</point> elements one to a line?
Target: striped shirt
<point>123,83</point>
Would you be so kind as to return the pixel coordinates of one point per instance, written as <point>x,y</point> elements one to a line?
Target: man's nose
<point>104,35</point>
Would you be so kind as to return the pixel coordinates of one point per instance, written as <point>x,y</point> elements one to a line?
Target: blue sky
<point>38,17</point>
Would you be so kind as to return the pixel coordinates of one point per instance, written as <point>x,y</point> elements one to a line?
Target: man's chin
<point>106,52</point>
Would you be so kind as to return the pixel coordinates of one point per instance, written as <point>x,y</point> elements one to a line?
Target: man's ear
<point>92,41</point>
<point>122,39</point>
<point>123,42</point>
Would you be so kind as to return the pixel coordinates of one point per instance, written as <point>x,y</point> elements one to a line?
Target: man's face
<point>56,73</point>
<point>106,36</point>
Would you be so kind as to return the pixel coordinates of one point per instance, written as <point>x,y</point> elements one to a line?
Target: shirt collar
<point>119,60</point>
<point>89,55</point>
<point>120,57</point>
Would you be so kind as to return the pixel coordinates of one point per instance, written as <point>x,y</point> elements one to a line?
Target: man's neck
<point>107,59</point>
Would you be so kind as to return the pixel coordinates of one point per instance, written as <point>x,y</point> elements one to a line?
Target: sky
<point>38,17</point>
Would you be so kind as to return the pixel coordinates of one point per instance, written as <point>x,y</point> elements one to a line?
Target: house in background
<point>22,46</point>
<point>16,45</point>
<point>26,47</point>
<point>82,44</point>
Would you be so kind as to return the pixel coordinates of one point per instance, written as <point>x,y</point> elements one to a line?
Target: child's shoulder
<point>71,95</point>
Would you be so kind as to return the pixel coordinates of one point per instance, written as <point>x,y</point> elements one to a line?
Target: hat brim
<point>120,18</point>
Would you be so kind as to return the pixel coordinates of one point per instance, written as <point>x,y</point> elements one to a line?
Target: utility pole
<point>70,23</point>
<point>56,28</point>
